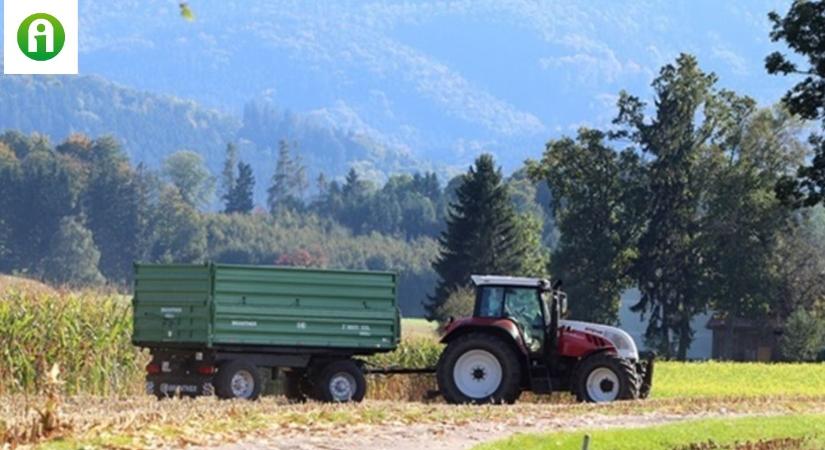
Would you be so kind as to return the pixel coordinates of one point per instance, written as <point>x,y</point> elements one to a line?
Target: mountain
<point>384,84</point>
<point>151,126</point>
<point>443,79</point>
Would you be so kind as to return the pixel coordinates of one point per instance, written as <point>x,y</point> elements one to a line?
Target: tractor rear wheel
<point>479,368</point>
<point>605,377</point>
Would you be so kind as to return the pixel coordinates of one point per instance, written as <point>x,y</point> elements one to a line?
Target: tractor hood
<point>622,341</point>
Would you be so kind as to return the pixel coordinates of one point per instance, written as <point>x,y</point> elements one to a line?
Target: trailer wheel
<point>605,377</point>
<point>238,379</point>
<point>479,368</point>
<point>341,382</point>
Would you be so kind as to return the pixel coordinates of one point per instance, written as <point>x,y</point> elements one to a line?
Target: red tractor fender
<point>504,327</point>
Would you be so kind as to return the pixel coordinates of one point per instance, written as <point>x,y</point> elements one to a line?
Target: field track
<point>270,423</point>
<point>446,437</point>
<point>468,433</point>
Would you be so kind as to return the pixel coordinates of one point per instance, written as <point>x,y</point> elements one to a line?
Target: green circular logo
<point>41,37</point>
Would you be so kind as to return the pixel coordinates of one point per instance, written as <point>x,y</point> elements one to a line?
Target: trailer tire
<point>605,377</point>
<point>340,382</point>
<point>494,358</point>
<point>238,378</point>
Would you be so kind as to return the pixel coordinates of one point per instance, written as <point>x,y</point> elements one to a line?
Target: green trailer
<point>211,327</point>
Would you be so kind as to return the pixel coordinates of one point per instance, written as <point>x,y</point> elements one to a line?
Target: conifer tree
<point>289,183</point>
<point>239,198</point>
<point>228,172</point>
<point>483,234</point>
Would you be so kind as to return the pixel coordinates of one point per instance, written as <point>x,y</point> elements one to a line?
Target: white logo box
<point>15,62</point>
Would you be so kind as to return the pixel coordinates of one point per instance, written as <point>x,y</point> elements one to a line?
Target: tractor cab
<point>533,304</point>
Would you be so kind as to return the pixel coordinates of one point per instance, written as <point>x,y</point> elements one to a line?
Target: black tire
<point>294,386</point>
<point>646,380</point>
<point>340,382</point>
<point>623,370</point>
<point>509,388</point>
<point>238,367</point>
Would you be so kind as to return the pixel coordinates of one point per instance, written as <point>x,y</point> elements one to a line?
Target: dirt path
<point>441,437</point>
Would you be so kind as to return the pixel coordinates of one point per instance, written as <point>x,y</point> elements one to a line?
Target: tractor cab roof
<point>499,280</point>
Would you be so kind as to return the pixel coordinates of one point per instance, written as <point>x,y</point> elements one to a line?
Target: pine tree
<point>239,198</point>
<point>483,234</point>
<point>228,172</point>
<point>288,184</point>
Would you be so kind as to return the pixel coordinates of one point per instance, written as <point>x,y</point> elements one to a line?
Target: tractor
<point>517,340</point>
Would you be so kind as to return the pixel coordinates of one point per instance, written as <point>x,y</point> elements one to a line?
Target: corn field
<point>87,335</point>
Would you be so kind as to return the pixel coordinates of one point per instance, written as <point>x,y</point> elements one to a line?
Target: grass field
<point>794,431</point>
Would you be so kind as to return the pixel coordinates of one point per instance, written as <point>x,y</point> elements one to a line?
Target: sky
<point>444,80</point>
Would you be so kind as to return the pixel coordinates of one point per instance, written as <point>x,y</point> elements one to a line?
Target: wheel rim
<point>242,384</point>
<point>602,385</point>
<point>477,374</point>
<point>342,387</point>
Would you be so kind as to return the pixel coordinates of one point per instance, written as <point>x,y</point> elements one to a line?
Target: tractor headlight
<point>624,344</point>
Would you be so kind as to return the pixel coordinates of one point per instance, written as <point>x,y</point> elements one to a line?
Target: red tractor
<point>516,340</point>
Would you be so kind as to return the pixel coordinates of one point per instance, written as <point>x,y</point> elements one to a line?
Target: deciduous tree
<point>596,201</point>
<point>803,31</point>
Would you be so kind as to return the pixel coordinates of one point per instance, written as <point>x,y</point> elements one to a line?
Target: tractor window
<point>523,306</point>
<point>490,302</point>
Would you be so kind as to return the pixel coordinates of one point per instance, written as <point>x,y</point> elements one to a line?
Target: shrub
<point>804,336</point>
<point>459,304</point>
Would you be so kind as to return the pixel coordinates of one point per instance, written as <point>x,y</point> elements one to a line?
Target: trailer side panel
<point>278,306</point>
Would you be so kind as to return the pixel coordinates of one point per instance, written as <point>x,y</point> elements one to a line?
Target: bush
<point>803,338</point>
<point>460,303</point>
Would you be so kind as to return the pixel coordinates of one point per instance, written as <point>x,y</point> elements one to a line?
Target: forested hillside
<point>79,213</point>
<point>150,127</point>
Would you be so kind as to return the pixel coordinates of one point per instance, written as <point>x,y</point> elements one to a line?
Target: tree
<point>803,338</point>
<point>228,172</point>
<point>669,268</point>
<point>73,259</point>
<point>286,191</point>
<point>354,208</point>
<point>483,234</point>
<point>743,222</point>
<point>114,210</point>
<point>799,265</point>
<point>43,189</point>
<point>9,173</point>
<point>803,30</point>
<point>177,230</point>
<point>595,199</point>
<point>239,198</point>
<point>186,171</point>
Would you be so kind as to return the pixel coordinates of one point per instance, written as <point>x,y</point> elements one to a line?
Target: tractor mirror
<point>562,304</point>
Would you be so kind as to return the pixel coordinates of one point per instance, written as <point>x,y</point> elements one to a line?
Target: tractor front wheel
<point>605,377</point>
<point>479,368</point>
